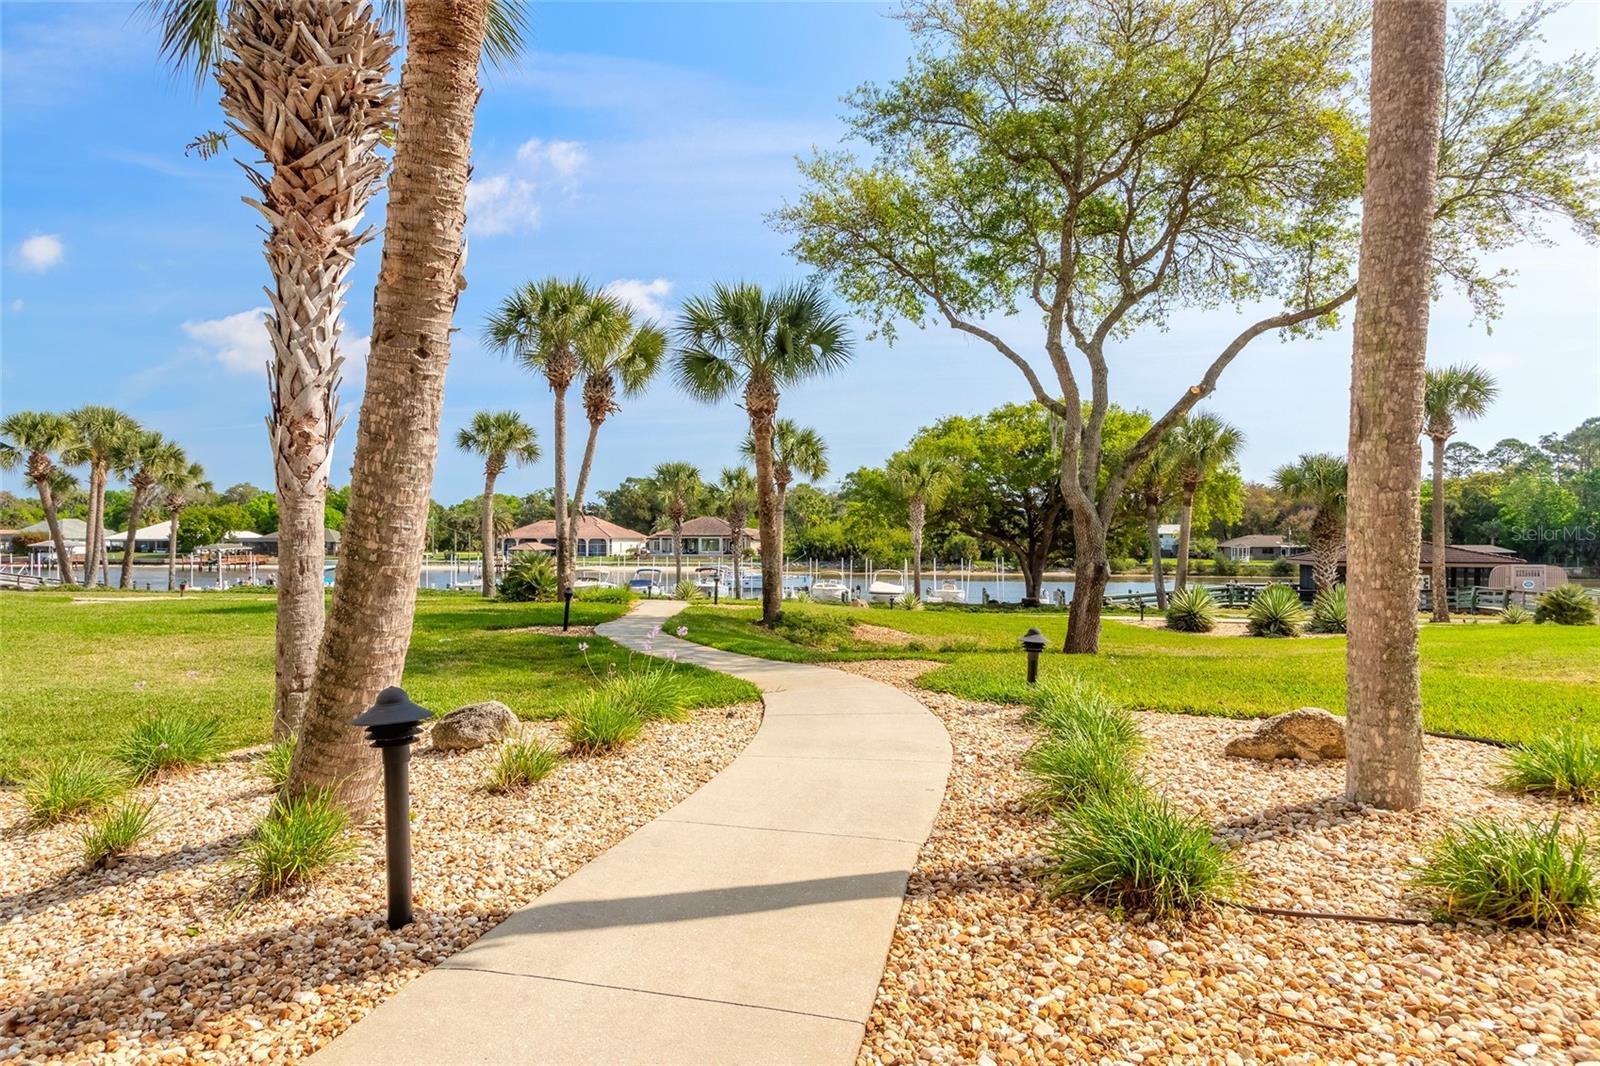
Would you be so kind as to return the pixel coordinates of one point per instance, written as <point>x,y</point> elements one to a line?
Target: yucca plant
<point>599,722</point>
<point>169,740</point>
<point>299,838</point>
<point>1330,612</point>
<point>1192,610</point>
<point>909,601</point>
<point>651,693</point>
<point>275,762</point>
<point>1563,763</point>
<point>522,765</point>
<point>62,788</point>
<point>118,832</point>
<point>1132,851</point>
<point>1565,605</point>
<point>1276,612</point>
<point>1516,615</point>
<point>1530,874</point>
<point>688,592</point>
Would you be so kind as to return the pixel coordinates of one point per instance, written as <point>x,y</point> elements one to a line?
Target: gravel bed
<point>551,631</point>
<point>148,962</point>
<point>986,968</point>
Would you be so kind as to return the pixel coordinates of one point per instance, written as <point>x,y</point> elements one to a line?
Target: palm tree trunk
<point>135,505</point>
<point>488,536</point>
<point>563,534</point>
<point>761,400</point>
<point>397,441</point>
<point>172,547</point>
<point>1090,573</point>
<point>1325,538</point>
<point>1153,527</point>
<point>302,554</point>
<point>1439,580</point>
<point>47,500</point>
<point>919,517</point>
<point>583,484</point>
<point>1185,520</point>
<point>1384,725</point>
<point>90,542</point>
<point>677,554</point>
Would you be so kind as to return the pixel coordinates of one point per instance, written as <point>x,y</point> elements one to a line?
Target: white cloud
<point>510,200</point>
<point>41,252</point>
<point>239,342</point>
<point>647,298</point>
<point>15,306</point>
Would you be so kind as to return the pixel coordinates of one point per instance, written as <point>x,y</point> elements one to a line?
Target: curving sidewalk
<point>750,923</point>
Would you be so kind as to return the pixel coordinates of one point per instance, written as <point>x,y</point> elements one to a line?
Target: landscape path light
<point>566,607</point>
<point>393,724</point>
<point>1033,643</point>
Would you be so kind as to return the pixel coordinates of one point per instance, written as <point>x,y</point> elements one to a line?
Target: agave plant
<point>1192,610</point>
<point>1330,611</point>
<point>1515,615</point>
<point>1565,605</point>
<point>1276,612</point>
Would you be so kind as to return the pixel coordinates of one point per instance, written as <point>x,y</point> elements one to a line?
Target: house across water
<point>1466,566</point>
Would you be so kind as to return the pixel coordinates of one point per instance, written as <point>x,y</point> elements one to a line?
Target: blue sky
<point>640,144</point>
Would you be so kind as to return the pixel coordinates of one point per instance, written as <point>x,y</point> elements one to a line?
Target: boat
<point>327,574</point>
<point>829,587</point>
<point>946,592</point>
<point>886,586</point>
<point>713,582</point>
<point>591,579</point>
<point>646,582</point>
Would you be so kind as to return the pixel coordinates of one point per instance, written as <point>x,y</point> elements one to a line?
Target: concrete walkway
<point>750,923</point>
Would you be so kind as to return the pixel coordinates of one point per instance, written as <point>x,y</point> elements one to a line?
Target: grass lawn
<point>1505,682</point>
<point>74,675</point>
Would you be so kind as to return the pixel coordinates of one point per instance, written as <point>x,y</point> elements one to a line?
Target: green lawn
<point>73,675</point>
<point>1491,680</point>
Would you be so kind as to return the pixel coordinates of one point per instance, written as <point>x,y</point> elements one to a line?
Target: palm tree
<point>735,495</point>
<point>152,455</point>
<point>500,437</point>
<point>33,440</point>
<point>1152,487</point>
<point>1319,481</point>
<point>920,477</point>
<point>740,339</point>
<point>177,482</point>
<point>623,357</point>
<point>1383,728</point>
<point>1205,444</point>
<point>678,488</point>
<point>397,439</point>
<point>1460,392</point>
<point>796,450</point>
<point>547,327</point>
<point>100,436</point>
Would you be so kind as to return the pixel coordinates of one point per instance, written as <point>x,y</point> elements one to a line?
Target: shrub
<point>1281,568</point>
<point>275,762</point>
<point>1124,564</point>
<point>909,601</point>
<point>1132,851</point>
<point>687,591</point>
<point>117,832</point>
<point>299,837</point>
<point>167,740</point>
<point>1192,610</point>
<point>1563,763</point>
<point>1330,611</point>
<point>64,787</point>
<point>600,722</point>
<point>814,629</point>
<point>1276,612</point>
<point>1065,704</point>
<point>1515,615</point>
<point>1517,875</point>
<point>1224,565</point>
<point>654,692</point>
<point>1565,605</point>
<point>522,765</point>
<point>1071,764</point>
<point>530,577</point>
<point>604,595</point>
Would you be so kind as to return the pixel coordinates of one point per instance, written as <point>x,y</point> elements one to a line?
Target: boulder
<point>474,726</point>
<point>1306,733</point>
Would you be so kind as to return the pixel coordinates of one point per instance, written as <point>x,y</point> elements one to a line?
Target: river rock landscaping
<point>155,960</point>
<point>986,967</point>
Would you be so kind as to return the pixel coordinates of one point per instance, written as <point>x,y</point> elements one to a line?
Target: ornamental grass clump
<point>1133,852</point>
<point>654,692</point>
<point>1276,612</point>
<point>169,740</point>
<point>1074,762</point>
<point>275,762</point>
<point>1527,875</point>
<point>1070,703</point>
<point>64,787</point>
<point>521,766</point>
<point>1330,611</point>
<point>300,837</point>
<point>1565,605</point>
<point>1192,610</point>
<point>1564,763</point>
<point>1516,615</point>
<point>117,832</point>
<point>599,722</point>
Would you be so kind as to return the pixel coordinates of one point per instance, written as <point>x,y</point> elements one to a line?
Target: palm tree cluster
<point>108,443</point>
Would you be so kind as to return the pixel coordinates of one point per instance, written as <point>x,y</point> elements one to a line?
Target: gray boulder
<point>1306,733</point>
<point>474,726</point>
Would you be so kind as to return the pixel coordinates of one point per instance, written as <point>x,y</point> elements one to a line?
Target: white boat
<point>646,582</point>
<point>713,582</point>
<point>886,586</point>
<point>591,579</point>
<point>947,592</point>
<point>829,587</point>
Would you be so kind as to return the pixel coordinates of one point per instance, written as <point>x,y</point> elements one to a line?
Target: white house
<point>706,535</point>
<point>149,539</point>
<point>596,538</point>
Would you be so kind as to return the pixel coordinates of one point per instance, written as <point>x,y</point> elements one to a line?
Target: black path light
<point>393,725</point>
<point>1033,643</point>
<point>566,607</point>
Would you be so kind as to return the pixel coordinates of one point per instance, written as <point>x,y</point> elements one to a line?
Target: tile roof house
<point>596,537</point>
<point>706,535</point>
